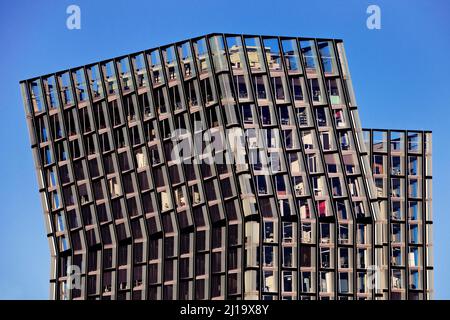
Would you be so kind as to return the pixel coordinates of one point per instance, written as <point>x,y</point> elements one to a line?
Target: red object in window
<point>322,208</point>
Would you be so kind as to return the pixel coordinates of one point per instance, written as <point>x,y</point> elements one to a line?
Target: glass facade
<point>401,166</point>
<point>223,167</point>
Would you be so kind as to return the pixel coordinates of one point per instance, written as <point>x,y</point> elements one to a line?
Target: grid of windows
<point>401,165</point>
<point>284,211</point>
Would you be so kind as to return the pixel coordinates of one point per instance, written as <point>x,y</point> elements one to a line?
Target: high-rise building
<point>220,167</point>
<point>402,172</point>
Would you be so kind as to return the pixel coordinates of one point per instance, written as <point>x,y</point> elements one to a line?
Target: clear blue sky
<point>400,74</point>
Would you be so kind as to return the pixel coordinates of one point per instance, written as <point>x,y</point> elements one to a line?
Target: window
<point>268,231</point>
<point>414,188</point>
<point>415,165</point>
<point>175,98</point>
<point>342,209</point>
<point>309,55</point>
<point>80,85</point>
<point>344,258</point>
<point>208,94</point>
<point>397,141</point>
<point>340,119</point>
<point>225,92</point>
<point>125,160</point>
<point>171,64</point>
<point>415,234</point>
<point>125,74</point>
<point>306,256</point>
<point>200,264</point>
<point>65,87</point>
<point>351,163</point>
<point>144,104</point>
<point>285,115</point>
<point>303,117</point>
<point>318,182</point>
<point>42,130</point>
<point>288,257</point>
<point>255,54</point>
<point>269,282</point>
<point>344,233</point>
<point>414,142</point>
<point>288,232</point>
<point>129,107</point>
<point>397,165</point>
<point>332,162</point>
<point>192,95</point>
<point>325,258</point>
<point>315,86</point>
<point>155,66</point>
<point>95,82</point>
<point>298,89</point>
<point>397,187</point>
<point>326,52</point>
<point>135,135</point>
<point>279,85</point>
<point>397,210</point>
<point>307,282</point>
<point>325,233</point>
<point>169,247</point>
<point>241,83</point>
<point>333,87</point>
<point>291,56</point>
<point>344,279</point>
<point>360,208</point>
<point>266,114</point>
<point>186,59</point>
<point>345,141</point>
<point>326,282</point>
<point>415,210</point>
<point>140,70</point>
<point>261,84</point>
<point>362,263</point>
<point>161,101</point>
<point>288,282</point>
<point>397,279</point>
<point>336,186</point>
<point>217,263</point>
<point>305,210</point>
<point>379,164</point>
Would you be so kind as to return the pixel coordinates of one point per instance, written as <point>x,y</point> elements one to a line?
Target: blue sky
<point>400,75</point>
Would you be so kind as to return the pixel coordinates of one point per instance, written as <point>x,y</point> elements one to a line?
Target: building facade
<point>220,167</point>
<point>402,172</point>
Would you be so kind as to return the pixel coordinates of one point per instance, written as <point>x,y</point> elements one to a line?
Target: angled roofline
<point>171,44</point>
